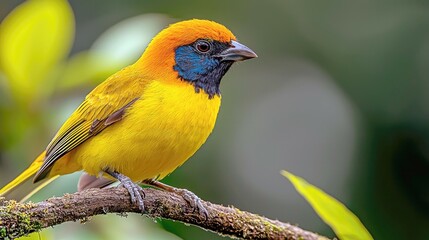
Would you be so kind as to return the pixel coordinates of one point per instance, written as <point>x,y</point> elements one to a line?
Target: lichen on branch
<point>19,219</point>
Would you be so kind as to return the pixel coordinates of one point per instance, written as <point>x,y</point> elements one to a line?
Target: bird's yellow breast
<point>159,132</point>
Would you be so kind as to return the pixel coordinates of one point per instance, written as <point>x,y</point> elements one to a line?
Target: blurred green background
<point>338,96</point>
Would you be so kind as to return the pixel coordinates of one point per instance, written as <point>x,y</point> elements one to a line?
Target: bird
<point>148,118</point>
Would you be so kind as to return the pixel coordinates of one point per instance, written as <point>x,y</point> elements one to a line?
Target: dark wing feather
<point>104,106</point>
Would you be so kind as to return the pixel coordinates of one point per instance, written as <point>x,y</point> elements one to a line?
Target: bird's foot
<point>136,192</point>
<point>193,200</point>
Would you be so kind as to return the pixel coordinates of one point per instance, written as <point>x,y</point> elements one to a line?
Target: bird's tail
<point>25,177</point>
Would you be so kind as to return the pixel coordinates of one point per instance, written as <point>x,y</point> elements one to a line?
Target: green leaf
<point>44,235</point>
<point>344,223</point>
<point>34,37</point>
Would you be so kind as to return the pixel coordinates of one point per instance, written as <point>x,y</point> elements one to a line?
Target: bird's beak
<point>237,52</point>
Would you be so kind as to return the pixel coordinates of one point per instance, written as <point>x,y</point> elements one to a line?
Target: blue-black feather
<point>203,70</point>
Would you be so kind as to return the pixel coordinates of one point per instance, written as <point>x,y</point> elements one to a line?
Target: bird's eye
<point>203,46</point>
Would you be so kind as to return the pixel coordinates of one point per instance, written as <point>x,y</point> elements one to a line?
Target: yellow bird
<point>146,120</point>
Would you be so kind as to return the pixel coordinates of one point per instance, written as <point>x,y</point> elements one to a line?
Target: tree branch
<point>18,219</point>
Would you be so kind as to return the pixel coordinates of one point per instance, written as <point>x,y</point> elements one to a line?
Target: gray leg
<point>135,191</point>
<point>190,197</point>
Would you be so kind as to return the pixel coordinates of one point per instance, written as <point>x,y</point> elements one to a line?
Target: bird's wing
<point>104,106</point>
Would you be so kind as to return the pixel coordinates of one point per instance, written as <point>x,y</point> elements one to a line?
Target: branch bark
<point>19,219</point>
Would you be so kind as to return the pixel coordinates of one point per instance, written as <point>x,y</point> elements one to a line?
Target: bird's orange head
<point>197,51</point>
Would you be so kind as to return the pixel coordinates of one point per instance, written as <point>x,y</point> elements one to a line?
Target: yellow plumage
<point>167,140</point>
<point>147,119</point>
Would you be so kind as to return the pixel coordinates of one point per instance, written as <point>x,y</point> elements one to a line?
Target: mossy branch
<point>19,219</point>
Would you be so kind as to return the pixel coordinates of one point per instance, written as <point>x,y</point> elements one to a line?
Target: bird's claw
<point>193,200</point>
<point>136,194</point>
